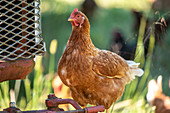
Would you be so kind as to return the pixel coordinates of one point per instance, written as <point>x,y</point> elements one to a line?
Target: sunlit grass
<point>127,106</point>
<point>140,53</point>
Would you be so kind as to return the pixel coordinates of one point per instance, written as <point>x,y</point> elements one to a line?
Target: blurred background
<point>135,29</point>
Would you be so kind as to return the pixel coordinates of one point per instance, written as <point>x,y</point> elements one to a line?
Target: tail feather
<point>134,70</point>
<point>137,71</point>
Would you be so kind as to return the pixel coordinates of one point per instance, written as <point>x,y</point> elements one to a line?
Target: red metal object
<point>53,101</point>
<point>18,69</point>
<point>95,109</point>
<point>12,110</point>
<point>52,104</point>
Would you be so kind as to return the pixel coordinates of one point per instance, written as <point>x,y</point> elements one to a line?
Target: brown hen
<point>156,98</point>
<point>94,76</point>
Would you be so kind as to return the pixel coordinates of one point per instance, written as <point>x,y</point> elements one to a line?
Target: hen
<point>123,48</point>
<point>94,76</point>
<point>88,7</point>
<point>156,98</point>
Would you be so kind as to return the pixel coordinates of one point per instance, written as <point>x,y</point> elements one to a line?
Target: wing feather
<point>108,64</point>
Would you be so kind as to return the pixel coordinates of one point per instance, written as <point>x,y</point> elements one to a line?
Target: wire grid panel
<point>20,33</point>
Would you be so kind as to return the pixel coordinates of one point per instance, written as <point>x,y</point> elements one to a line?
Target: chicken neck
<point>80,39</point>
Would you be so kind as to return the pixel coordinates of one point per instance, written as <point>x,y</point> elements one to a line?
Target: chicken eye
<point>78,16</point>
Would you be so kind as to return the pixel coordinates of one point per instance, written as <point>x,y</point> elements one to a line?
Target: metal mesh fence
<point>20,34</point>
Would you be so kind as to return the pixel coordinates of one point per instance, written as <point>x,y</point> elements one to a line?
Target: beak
<point>70,19</point>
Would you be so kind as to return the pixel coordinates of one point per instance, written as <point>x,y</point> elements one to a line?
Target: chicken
<point>155,97</point>
<point>161,5</point>
<point>94,76</point>
<point>57,86</point>
<point>121,47</point>
<point>88,7</point>
<point>60,90</point>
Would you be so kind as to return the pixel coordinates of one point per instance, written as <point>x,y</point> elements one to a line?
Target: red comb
<point>75,10</point>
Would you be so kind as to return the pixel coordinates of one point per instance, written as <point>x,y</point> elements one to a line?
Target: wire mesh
<point>20,33</point>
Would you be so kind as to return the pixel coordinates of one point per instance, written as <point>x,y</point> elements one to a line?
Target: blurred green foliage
<point>31,93</point>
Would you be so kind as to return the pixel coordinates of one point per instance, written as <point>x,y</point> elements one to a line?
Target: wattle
<point>74,23</point>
